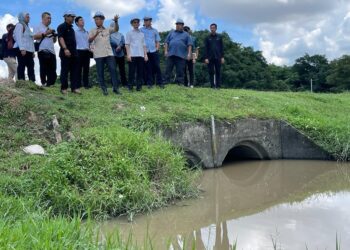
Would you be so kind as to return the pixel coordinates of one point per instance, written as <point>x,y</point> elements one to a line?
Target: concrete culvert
<point>246,151</point>
<point>193,161</point>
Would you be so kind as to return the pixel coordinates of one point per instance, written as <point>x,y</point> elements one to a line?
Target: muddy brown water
<point>259,204</point>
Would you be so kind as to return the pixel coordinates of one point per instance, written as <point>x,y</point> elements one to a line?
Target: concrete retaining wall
<point>270,139</point>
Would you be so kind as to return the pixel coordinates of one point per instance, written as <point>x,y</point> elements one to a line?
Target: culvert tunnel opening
<point>243,153</point>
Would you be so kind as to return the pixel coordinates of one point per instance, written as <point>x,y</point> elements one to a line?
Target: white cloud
<point>287,29</point>
<point>112,7</point>
<point>170,10</point>
<point>327,34</point>
<point>256,11</point>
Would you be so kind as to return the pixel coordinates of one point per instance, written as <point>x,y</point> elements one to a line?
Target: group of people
<point>108,47</point>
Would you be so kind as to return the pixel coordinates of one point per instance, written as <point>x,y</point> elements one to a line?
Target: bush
<point>108,172</point>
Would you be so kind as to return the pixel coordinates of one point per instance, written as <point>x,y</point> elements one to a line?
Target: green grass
<point>117,164</point>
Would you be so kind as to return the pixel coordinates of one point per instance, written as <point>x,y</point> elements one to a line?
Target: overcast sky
<point>283,29</point>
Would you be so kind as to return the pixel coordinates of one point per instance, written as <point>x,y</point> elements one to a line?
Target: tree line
<point>248,69</point>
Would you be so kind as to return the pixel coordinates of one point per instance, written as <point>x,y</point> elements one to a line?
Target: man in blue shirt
<point>152,40</point>
<point>178,49</point>
<point>118,46</point>
<point>84,53</point>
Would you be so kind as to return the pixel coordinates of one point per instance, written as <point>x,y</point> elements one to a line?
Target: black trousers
<point>189,66</point>
<point>153,69</point>
<point>24,62</point>
<point>69,67</point>
<point>120,61</point>
<point>214,69</point>
<point>179,64</point>
<point>47,62</point>
<point>83,68</point>
<point>136,68</point>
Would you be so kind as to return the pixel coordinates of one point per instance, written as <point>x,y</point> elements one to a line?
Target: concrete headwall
<point>270,139</point>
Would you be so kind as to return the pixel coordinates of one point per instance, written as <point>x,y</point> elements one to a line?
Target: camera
<point>52,34</point>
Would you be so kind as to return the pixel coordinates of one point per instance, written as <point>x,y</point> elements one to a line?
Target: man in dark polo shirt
<point>214,56</point>
<point>68,53</point>
<point>178,49</point>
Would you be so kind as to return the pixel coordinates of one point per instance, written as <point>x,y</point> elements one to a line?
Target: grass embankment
<point>116,165</point>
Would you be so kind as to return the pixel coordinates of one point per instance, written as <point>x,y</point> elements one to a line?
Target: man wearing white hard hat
<point>136,53</point>
<point>152,39</point>
<point>103,53</point>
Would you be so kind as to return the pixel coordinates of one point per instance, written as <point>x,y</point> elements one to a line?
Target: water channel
<point>256,204</point>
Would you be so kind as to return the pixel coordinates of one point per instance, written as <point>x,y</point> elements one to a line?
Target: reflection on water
<point>293,203</point>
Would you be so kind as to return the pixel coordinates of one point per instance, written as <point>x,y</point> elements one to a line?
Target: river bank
<point>116,165</point>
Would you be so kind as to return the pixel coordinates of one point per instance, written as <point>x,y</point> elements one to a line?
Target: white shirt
<point>24,40</point>
<point>48,42</point>
<point>136,40</point>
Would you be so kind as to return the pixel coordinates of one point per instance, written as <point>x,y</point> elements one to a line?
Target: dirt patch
<point>32,117</point>
<point>13,100</point>
<point>119,106</point>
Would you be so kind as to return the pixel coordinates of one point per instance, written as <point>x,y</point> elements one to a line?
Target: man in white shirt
<point>46,38</point>
<point>136,53</point>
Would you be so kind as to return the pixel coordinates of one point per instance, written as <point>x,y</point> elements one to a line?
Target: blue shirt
<point>82,39</point>
<point>178,42</point>
<point>151,37</point>
<point>117,40</point>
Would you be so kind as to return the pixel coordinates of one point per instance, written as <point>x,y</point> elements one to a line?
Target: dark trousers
<point>83,68</point>
<point>100,66</point>
<point>153,69</point>
<point>23,62</point>
<point>189,66</point>
<point>48,67</point>
<point>69,67</point>
<point>179,64</point>
<point>136,68</point>
<point>214,69</point>
<point>120,61</point>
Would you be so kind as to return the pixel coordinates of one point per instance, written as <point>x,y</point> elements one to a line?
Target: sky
<point>282,29</point>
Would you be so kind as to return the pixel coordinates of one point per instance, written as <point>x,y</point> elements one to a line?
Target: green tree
<point>339,75</point>
<point>314,67</point>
